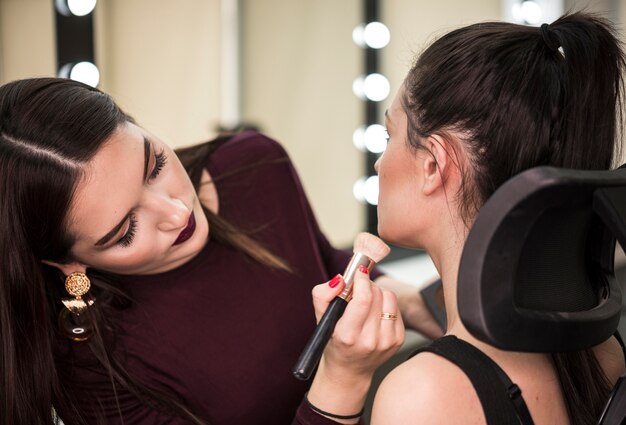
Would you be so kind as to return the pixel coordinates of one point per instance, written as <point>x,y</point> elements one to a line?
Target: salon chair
<point>537,272</point>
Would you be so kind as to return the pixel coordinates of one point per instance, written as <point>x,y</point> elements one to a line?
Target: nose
<point>171,213</point>
<point>377,164</point>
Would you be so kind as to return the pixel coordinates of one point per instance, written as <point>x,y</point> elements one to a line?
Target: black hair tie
<point>550,39</point>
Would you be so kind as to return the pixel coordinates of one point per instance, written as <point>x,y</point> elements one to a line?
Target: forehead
<point>396,105</point>
<point>395,112</point>
<point>111,183</point>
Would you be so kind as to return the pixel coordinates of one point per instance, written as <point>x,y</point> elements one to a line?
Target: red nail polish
<point>334,281</point>
<point>363,269</point>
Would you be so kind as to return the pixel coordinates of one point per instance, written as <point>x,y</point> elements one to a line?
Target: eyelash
<point>127,239</point>
<point>160,160</point>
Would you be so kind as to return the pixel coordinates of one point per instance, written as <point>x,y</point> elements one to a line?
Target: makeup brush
<point>368,250</point>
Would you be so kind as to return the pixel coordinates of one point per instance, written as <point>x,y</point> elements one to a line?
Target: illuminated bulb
<point>531,12</point>
<point>358,86</point>
<point>75,7</point>
<point>358,138</point>
<point>376,87</point>
<point>358,189</point>
<point>358,36</point>
<point>85,72</point>
<point>376,35</point>
<point>375,138</point>
<point>516,12</point>
<point>371,190</point>
<point>81,7</point>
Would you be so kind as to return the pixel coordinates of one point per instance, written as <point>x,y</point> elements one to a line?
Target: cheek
<point>123,261</point>
<point>143,252</point>
<point>390,180</point>
<point>174,181</point>
<point>397,205</point>
<point>178,172</point>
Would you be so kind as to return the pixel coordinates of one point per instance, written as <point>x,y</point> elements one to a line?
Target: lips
<point>187,232</point>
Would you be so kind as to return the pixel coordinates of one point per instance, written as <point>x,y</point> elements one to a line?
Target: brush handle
<point>313,350</point>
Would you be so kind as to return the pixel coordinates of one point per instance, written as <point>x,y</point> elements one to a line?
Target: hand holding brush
<point>368,250</point>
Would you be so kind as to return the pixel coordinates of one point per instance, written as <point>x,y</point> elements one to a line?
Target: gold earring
<point>73,320</point>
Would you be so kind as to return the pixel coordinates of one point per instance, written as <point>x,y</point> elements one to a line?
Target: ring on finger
<point>388,316</point>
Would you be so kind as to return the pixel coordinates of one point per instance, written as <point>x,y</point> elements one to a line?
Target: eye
<point>127,239</point>
<point>160,159</point>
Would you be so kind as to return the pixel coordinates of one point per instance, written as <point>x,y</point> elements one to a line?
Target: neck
<point>446,255</point>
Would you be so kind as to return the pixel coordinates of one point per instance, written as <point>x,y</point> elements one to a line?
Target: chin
<point>398,237</point>
<point>387,234</point>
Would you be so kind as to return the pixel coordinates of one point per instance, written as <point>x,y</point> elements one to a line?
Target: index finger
<point>365,299</point>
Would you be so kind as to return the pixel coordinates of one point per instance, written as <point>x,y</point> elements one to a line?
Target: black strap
<point>504,407</point>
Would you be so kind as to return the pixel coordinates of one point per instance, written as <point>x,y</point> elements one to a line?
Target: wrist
<point>344,419</point>
<point>341,394</point>
<point>339,376</point>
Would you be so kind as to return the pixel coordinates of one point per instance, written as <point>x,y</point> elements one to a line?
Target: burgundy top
<point>223,332</point>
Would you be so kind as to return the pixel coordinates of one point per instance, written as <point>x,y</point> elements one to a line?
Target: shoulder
<point>426,389</point>
<point>250,146</point>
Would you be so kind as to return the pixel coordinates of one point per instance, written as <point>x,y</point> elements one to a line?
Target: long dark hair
<point>522,97</point>
<point>49,129</point>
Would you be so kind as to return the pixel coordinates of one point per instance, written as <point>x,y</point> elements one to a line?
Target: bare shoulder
<point>426,389</point>
<point>611,357</point>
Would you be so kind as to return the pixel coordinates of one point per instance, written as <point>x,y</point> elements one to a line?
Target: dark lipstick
<point>187,232</point>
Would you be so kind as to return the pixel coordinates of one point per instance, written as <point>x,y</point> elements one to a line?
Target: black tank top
<point>500,398</point>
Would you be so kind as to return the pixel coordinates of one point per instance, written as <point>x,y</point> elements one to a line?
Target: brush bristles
<point>370,245</point>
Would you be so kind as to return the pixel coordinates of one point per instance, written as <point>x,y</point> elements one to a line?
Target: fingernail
<point>363,269</point>
<point>334,281</point>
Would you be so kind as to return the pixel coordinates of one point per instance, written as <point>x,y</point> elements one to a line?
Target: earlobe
<point>67,268</point>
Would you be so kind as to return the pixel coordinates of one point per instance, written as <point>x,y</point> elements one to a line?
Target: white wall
<point>160,61</point>
<point>26,39</point>
<point>299,62</point>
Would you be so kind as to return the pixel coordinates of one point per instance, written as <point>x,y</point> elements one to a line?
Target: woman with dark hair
<point>480,105</point>
<point>137,289</point>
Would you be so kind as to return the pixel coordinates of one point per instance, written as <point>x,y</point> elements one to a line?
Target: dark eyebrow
<point>106,238</point>
<point>387,114</point>
<point>146,156</point>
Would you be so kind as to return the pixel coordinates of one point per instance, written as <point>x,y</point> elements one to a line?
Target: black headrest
<point>536,272</point>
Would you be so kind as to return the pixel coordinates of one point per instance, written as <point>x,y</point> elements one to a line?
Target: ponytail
<point>583,110</point>
<point>585,118</point>
<point>585,386</point>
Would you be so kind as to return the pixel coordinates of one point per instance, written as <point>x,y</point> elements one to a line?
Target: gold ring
<point>388,316</point>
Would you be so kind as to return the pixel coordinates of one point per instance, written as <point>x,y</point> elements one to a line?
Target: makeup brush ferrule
<point>357,260</point>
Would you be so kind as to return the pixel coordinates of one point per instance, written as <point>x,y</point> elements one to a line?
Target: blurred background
<point>291,68</point>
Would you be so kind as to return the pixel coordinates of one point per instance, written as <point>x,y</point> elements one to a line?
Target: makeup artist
<point>143,286</point>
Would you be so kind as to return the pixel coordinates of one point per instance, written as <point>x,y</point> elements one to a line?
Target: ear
<point>67,268</point>
<point>438,163</point>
